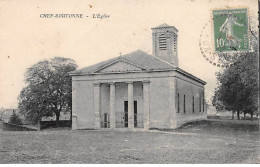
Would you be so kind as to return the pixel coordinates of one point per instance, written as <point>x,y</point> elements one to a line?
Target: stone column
<point>146,101</point>
<point>97,105</point>
<point>112,108</point>
<point>130,105</point>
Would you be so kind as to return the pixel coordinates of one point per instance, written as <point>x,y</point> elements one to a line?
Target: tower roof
<point>164,25</point>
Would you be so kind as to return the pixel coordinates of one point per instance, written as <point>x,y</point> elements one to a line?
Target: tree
<point>15,119</point>
<point>48,91</point>
<point>237,85</point>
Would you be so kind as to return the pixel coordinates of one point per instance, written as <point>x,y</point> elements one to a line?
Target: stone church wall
<point>164,87</point>
<point>82,104</point>
<point>159,103</point>
<point>190,90</point>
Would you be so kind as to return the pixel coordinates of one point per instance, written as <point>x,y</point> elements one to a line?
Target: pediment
<point>119,66</point>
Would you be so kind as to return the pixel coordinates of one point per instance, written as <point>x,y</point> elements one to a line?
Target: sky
<point>26,38</point>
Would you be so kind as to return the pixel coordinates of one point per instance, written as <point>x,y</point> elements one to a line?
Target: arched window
<point>162,42</point>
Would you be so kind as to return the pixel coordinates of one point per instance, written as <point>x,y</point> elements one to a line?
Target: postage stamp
<point>230,29</point>
<point>225,35</point>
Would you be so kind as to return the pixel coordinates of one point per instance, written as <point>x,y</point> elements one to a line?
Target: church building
<point>138,90</point>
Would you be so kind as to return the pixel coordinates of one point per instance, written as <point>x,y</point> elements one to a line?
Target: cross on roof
<point>120,54</point>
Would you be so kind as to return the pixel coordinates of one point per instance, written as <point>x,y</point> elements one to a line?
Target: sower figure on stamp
<point>227,28</point>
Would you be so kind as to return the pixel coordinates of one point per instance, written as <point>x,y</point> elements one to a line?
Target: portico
<point>127,109</point>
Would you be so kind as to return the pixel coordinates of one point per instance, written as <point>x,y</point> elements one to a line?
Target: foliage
<point>48,91</point>
<point>15,119</point>
<point>237,84</point>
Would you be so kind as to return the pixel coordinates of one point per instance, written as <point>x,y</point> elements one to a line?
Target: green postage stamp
<point>230,30</point>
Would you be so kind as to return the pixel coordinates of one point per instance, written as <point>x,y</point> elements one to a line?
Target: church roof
<point>139,59</point>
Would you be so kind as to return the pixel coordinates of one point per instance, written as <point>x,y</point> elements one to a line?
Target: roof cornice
<point>165,26</point>
<point>190,76</point>
<point>151,70</point>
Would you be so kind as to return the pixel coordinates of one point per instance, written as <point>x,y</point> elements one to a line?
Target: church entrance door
<point>125,113</point>
<point>135,114</point>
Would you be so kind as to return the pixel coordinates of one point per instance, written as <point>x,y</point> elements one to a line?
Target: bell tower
<point>165,43</point>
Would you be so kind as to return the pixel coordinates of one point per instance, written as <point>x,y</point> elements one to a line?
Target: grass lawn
<point>199,142</point>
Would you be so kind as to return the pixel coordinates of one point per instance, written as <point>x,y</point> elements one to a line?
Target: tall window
<point>178,103</point>
<point>184,106</point>
<point>203,104</point>
<point>193,104</point>
<point>162,42</point>
<point>200,103</point>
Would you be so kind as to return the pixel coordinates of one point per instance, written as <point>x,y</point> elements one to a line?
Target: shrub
<point>15,119</point>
